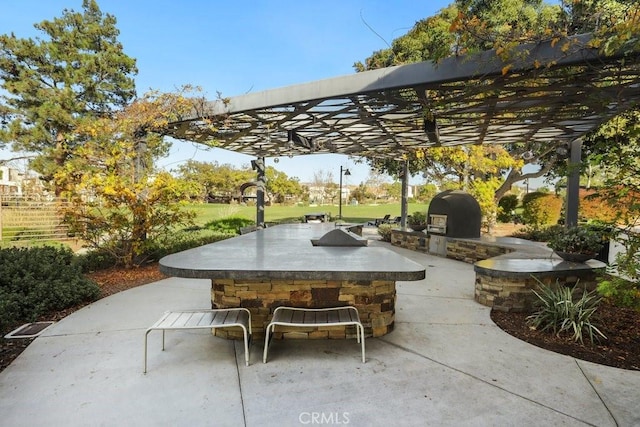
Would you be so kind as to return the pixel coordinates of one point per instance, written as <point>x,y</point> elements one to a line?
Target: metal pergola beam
<point>553,94</point>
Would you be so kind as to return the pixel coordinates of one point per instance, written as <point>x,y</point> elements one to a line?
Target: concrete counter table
<point>280,266</point>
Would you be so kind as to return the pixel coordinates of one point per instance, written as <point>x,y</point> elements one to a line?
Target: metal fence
<point>31,219</point>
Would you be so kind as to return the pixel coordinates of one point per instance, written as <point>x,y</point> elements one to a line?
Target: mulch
<point>621,326</point>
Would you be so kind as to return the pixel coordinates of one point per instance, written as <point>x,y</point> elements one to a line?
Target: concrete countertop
<point>286,252</point>
<point>524,267</point>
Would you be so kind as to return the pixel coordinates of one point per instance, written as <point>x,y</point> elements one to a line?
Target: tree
<point>470,26</point>
<point>280,187</point>
<point>361,193</point>
<point>215,180</point>
<point>50,84</point>
<point>475,169</point>
<point>393,190</point>
<point>615,147</point>
<point>375,182</point>
<point>323,185</point>
<point>117,198</point>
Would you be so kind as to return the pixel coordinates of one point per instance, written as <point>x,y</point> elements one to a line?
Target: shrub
<point>384,230</point>
<point>417,218</point>
<point>560,312</point>
<point>595,207</point>
<point>578,239</point>
<point>507,205</point>
<point>623,288</point>
<point>36,281</point>
<point>229,225</point>
<point>541,209</point>
<point>96,259</point>
<point>538,234</point>
<point>183,240</point>
<point>620,292</point>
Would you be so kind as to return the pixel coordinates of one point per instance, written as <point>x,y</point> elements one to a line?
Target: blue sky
<point>235,47</point>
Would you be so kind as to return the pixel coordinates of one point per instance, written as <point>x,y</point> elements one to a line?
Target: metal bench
<point>203,319</point>
<point>314,317</point>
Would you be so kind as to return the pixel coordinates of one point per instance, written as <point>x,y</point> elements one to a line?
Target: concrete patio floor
<point>445,364</point>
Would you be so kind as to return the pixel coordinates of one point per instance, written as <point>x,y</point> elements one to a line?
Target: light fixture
<point>563,150</point>
<point>345,172</point>
<point>300,140</point>
<point>431,129</point>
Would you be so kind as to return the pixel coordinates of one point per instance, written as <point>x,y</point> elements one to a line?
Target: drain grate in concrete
<point>29,330</point>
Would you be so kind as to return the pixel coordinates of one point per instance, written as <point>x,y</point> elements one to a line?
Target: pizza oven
<point>454,213</point>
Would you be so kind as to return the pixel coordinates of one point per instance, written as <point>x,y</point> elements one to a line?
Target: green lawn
<point>359,213</point>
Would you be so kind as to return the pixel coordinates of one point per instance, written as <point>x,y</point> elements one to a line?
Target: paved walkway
<point>445,364</point>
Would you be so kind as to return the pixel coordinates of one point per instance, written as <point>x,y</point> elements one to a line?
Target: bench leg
<point>246,347</point>
<point>360,335</point>
<point>146,335</point>
<point>267,338</point>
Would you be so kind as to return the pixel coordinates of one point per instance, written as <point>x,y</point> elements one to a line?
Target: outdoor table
<point>278,266</point>
<point>318,216</point>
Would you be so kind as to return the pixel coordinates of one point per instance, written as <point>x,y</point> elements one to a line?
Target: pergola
<point>546,93</point>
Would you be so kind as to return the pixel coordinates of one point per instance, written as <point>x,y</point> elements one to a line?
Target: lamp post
<point>346,173</point>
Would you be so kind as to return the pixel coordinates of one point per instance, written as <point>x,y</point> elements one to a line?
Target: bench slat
<point>318,317</point>
<point>206,319</point>
<point>321,317</point>
<point>182,319</point>
<point>332,317</point>
<point>193,320</point>
<point>298,316</point>
<point>169,319</point>
<point>201,319</point>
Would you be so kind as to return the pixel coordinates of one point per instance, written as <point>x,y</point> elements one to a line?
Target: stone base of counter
<point>466,250</point>
<point>503,288</point>
<point>375,301</point>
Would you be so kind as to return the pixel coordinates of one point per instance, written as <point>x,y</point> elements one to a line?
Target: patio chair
<point>379,221</point>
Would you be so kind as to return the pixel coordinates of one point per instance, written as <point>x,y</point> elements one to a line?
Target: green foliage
<point>213,180</point>
<point>384,230</point>
<point>39,280</point>
<point>229,225</point>
<point>426,192</point>
<point>361,193</point>
<point>183,240</point>
<point>623,286</point>
<point>578,239</point>
<point>118,202</point>
<point>506,206</point>
<point>280,187</point>
<point>539,234</point>
<point>558,311</point>
<point>484,191</point>
<point>620,292</point>
<point>75,69</point>
<point>417,218</point>
<point>94,260</point>
<point>540,209</point>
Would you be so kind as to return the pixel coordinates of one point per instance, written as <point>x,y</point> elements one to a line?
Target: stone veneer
<point>466,250</point>
<point>505,289</point>
<point>414,240</point>
<point>375,301</point>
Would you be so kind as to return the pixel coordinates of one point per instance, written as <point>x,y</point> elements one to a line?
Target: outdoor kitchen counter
<point>279,266</point>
